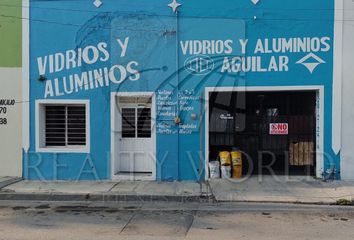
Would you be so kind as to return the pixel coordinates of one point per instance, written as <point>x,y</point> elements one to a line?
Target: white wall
<point>347,153</point>
<point>10,134</point>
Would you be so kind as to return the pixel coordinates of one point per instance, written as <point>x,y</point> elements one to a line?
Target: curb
<point>62,197</point>
<point>9,182</point>
<point>52,197</point>
<point>283,202</point>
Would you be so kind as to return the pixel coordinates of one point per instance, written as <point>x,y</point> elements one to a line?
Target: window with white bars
<point>62,126</point>
<point>65,125</point>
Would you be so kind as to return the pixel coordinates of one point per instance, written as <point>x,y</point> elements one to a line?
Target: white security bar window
<point>62,126</point>
<point>65,126</point>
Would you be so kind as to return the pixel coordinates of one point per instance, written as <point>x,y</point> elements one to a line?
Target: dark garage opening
<point>242,121</point>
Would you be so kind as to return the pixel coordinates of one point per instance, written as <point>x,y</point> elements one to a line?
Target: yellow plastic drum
<point>236,157</point>
<point>225,158</point>
<point>237,172</point>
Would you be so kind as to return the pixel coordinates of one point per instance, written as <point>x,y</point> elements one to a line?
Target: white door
<point>136,152</point>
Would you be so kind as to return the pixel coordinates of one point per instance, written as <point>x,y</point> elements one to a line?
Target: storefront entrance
<point>275,130</point>
<point>134,137</point>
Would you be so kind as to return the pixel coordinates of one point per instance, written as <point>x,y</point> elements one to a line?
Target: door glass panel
<point>128,123</point>
<point>144,122</point>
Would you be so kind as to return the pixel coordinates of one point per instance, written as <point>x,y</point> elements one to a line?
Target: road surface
<point>30,220</point>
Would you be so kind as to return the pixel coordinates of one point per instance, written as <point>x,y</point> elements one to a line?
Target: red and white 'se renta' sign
<point>278,129</point>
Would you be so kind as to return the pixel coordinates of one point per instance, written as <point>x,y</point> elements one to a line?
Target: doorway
<point>134,137</point>
<point>275,130</point>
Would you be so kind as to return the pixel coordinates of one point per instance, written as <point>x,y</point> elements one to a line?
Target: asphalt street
<point>163,220</point>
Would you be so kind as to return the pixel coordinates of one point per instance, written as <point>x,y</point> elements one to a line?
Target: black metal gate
<point>242,120</point>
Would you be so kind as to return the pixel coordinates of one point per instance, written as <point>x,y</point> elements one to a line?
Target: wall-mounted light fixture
<point>42,78</point>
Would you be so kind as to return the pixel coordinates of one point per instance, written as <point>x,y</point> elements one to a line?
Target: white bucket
<point>214,169</point>
<point>226,172</point>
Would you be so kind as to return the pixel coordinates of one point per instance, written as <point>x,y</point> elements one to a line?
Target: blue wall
<point>155,34</point>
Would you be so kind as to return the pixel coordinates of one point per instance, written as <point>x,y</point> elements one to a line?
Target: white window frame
<point>40,127</point>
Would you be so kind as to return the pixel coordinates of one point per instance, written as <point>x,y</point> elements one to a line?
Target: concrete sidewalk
<point>105,191</point>
<point>281,189</point>
<point>255,189</point>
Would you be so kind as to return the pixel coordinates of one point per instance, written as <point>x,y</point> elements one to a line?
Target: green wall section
<point>10,33</point>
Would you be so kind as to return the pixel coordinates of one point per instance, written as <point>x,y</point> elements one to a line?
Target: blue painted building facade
<point>79,51</point>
